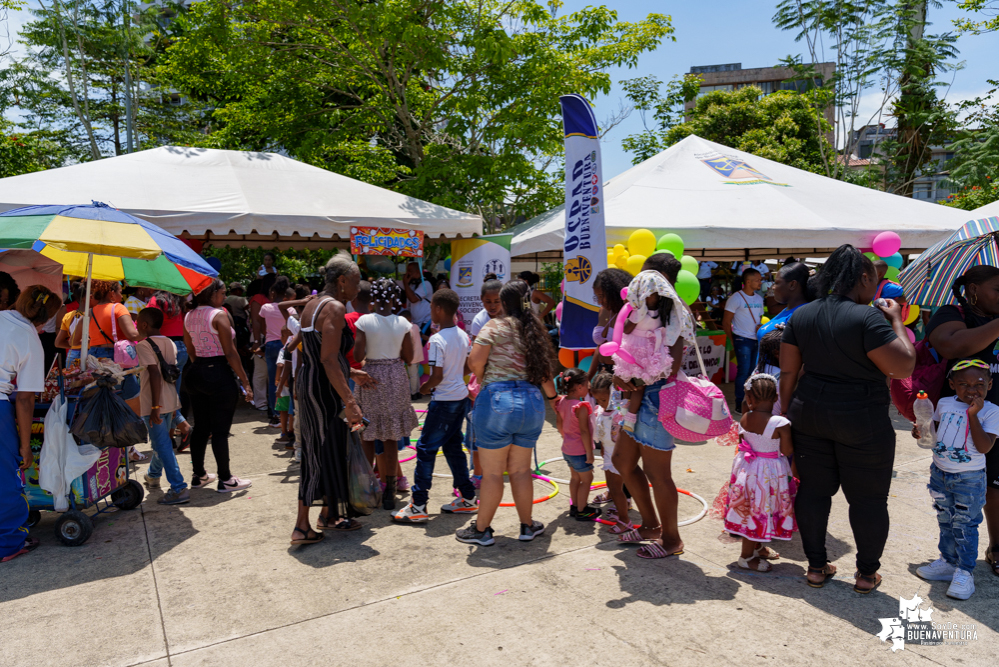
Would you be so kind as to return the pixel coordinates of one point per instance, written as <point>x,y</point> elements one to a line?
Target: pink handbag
<point>694,409</point>
<point>125,354</point>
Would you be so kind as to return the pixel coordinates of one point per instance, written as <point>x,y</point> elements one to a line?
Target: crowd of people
<point>337,367</point>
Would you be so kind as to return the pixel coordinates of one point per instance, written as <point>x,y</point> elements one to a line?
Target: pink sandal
<point>634,536</point>
<point>654,550</point>
<point>30,544</point>
<point>620,528</point>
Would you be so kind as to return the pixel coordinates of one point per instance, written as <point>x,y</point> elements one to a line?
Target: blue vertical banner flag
<point>585,249</point>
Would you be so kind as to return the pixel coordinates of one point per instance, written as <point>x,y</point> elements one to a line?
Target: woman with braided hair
<point>384,345</point>
<point>842,433</point>
<point>971,330</point>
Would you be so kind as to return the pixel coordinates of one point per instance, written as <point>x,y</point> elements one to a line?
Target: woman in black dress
<point>843,436</point>
<point>325,402</point>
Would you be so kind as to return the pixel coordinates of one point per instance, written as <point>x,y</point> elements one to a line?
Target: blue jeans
<point>182,358</point>
<point>164,459</point>
<point>442,428</point>
<point>271,352</point>
<point>649,431</point>
<point>745,360</point>
<point>578,462</point>
<point>958,498</point>
<point>511,412</point>
<point>71,356</point>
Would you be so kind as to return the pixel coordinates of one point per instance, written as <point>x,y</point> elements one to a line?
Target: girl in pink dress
<point>658,319</point>
<point>760,501</point>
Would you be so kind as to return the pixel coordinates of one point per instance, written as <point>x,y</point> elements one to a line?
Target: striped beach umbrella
<point>927,281</point>
<point>118,246</point>
<point>99,242</point>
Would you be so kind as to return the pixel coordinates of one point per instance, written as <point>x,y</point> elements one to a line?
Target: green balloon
<point>689,264</point>
<point>671,242</point>
<point>663,252</point>
<point>891,273</point>
<point>871,256</point>
<point>687,287</point>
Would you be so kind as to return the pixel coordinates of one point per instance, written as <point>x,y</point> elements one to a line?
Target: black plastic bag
<point>365,489</point>
<point>105,420</point>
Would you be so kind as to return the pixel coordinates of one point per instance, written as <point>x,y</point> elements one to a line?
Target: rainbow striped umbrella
<point>927,280</point>
<point>116,245</point>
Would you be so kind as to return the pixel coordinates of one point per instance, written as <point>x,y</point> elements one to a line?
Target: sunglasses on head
<point>968,363</point>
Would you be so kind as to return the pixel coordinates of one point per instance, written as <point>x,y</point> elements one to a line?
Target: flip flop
<point>620,528</point>
<point>654,550</point>
<point>827,571</point>
<point>319,537</point>
<point>343,526</point>
<point>990,558</point>
<point>632,536</point>
<point>30,545</point>
<point>137,457</point>
<point>875,578</point>
<point>602,499</point>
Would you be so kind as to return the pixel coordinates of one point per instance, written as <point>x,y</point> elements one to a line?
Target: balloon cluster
<point>642,244</point>
<point>886,246</point>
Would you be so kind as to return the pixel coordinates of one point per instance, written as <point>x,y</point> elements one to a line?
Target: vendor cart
<point>105,486</point>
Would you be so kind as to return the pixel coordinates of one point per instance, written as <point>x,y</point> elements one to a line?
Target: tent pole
<point>85,343</point>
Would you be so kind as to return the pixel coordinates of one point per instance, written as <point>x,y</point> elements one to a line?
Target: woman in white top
<point>22,373</point>
<point>384,345</point>
<point>541,303</point>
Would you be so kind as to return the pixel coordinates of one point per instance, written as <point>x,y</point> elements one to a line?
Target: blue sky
<point>725,31</point>
<point>729,31</point>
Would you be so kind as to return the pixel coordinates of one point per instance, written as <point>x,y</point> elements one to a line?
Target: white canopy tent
<point>987,211</point>
<point>726,204</point>
<point>236,197</point>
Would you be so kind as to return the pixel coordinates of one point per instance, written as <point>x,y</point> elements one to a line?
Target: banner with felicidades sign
<point>712,348</point>
<point>382,241</point>
<point>584,248</point>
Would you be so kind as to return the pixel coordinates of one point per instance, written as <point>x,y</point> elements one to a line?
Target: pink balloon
<point>558,311</point>
<point>886,244</point>
<point>614,345</point>
<point>912,336</point>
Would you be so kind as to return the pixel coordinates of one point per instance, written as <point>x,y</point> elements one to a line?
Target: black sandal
<point>343,525</point>
<point>990,558</point>
<point>319,537</point>
<point>828,571</point>
<point>874,579</point>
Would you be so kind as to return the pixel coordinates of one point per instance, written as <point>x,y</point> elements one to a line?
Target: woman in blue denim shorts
<point>513,356</point>
<point>653,445</point>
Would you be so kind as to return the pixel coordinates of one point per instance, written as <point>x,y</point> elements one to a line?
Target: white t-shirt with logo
<point>448,351</point>
<point>955,450</point>
<point>704,269</point>
<point>747,313</point>
<point>478,322</point>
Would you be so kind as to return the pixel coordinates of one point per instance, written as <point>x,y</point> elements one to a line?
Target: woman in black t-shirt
<point>839,410</point>
<point>972,331</point>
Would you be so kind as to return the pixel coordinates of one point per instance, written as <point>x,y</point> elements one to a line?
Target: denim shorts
<point>649,431</point>
<point>577,462</point>
<point>400,444</point>
<point>507,413</point>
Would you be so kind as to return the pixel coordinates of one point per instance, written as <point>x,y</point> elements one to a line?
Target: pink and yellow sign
<point>381,241</point>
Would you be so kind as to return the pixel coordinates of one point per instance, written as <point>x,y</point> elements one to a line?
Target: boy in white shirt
<point>967,426</point>
<point>445,414</point>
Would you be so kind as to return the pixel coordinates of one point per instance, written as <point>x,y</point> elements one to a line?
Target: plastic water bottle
<point>923,409</point>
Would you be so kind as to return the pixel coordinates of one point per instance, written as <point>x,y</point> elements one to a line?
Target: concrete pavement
<point>216,582</point>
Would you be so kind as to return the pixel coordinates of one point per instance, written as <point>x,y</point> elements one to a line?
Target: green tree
<point>990,22</point>
<point>976,151</point>
<point>778,127</point>
<point>879,48</point>
<point>25,152</point>
<point>659,111</point>
<point>72,79</point>
<point>973,196</point>
<point>451,101</point>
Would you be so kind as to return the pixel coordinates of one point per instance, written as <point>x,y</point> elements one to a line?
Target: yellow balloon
<point>642,242</point>
<point>619,250</point>
<point>610,259</point>
<point>764,319</point>
<point>913,314</point>
<point>634,264</point>
<point>621,262</point>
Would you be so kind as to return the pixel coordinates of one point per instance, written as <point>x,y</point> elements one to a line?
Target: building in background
<point>768,79</point>
<point>930,185</point>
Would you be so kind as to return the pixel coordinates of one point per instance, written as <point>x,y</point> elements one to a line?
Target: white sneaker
<point>234,484</point>
<point>460,506</point>
<point>938,570</point>
<point>411,514</point>
<point>151,482</point>
<point>962,586</point>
